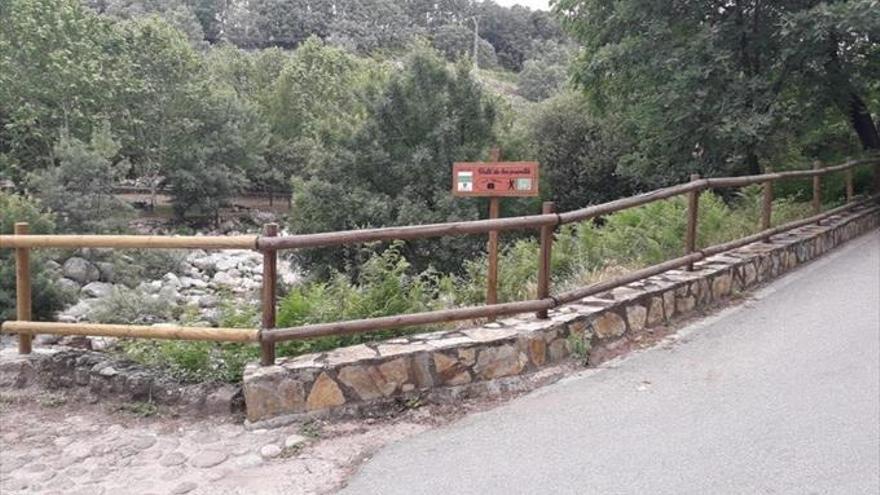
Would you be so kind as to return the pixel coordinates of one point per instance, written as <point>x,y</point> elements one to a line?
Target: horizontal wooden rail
<point>631,202</point>
<point>171,332</point>
<point>405,233</point>
<point>406,320</point>
<point>747,180</point>
<point>469,313</point>
<point>129,241</point>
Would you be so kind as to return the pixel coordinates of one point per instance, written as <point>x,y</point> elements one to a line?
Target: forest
<point>356,110</point>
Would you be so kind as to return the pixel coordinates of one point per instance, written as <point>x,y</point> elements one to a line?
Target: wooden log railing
<point>270,243</point>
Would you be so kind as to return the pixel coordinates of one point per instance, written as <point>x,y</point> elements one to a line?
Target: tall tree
<point>716,86</point>
<point>58,71</point>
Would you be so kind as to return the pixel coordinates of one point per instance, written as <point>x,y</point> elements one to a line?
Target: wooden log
<point>23,287</point>
<point>327,239</point>
<point>727,246</point>
<point>492,255</point>
<point>171,332</point>
<point>631,202</point>
<point>407,320</point>
<point>817,190</point>
<point>690,238</point>
<point>545,253</point>
<point>582,292</point>
<point>850,190</point>
<point>130,241</point>
<point>767,206</point>
<point>269,293</point>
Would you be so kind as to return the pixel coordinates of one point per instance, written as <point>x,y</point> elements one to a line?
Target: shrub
<point>47,297</point>
<point>80,189</point>
<point>201,361</point>
<point>383,287</point>
<point>130,307</point>
<point>134,266</point>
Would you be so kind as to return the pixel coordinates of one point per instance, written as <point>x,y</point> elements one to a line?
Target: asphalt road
<point>778,395</point>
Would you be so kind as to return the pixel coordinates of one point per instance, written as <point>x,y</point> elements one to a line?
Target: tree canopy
<point>727,87</point>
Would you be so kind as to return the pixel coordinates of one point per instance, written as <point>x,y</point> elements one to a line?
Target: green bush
<point>47,297</point>
<point>134,266</point>
<point>383,287</point>
<point>131,307</point>
<point>201,361</point>
<point>633,238</point>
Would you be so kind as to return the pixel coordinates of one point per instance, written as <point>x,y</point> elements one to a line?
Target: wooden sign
<point>495,179</point>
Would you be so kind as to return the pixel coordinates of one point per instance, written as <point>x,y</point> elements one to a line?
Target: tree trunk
<point>862,123</point>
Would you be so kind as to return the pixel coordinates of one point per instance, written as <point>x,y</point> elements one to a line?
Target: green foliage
<point>57,72</point>
<point>384,287</point>
<point>728,89</point>
<point>80,189</point>
<point>47,297</point>
<point>578,153</point>
<point>131,267</point>
<point>426,118</point>
<point>633,238</point>
<point>130,307</point>
<point>201,361</point>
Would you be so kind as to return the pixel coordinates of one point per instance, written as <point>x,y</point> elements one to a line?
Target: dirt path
<point>54,447</point>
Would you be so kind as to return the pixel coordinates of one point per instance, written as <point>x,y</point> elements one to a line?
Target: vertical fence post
<point>817,189</point>
<point>492,248</point>
<point>690,240</point>
<point>270,284</point>
<point>767,206</point>
<point>23,288</point>
<point>544,257</point>
<point>877,177</point>
<point>850,190</point>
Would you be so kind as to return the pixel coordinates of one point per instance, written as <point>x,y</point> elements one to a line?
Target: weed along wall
<point>477,360</point>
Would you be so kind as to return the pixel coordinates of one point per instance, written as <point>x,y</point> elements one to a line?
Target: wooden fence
<point>270,243</point>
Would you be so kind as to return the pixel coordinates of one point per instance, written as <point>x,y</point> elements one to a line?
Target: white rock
<point>68,285</point>
<point>97,289</point>
<point>225,278</point>
<point>270,451</point>
<point>188,282</point>
<point>171,280</point>
<point>81,270</point>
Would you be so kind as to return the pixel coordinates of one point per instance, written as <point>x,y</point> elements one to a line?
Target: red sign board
<point>495,179</point>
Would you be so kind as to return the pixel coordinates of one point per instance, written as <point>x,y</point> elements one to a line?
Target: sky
<point>532,4</point>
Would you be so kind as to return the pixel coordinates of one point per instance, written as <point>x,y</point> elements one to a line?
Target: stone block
<point>721,286</point>
<point>655,312</point>
<point>325,393</point>
<point>637,316</point>
<point>684,305</point>
<point>609,325</point>
<point>495,362</point>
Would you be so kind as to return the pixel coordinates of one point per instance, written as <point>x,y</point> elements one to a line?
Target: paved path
<point>780,395</point>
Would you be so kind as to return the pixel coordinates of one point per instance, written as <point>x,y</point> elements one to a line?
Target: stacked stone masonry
<point>402,368</point>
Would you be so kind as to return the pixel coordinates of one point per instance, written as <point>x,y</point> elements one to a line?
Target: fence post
<point>850,190</point>
<point>270,284</point>
<point>544,257</point>
<point>690,240</point>
<point>767,206</point>
<point>23,288</point>
<point>877,177</point>
<point>492,251</point>
<point>817,189</point>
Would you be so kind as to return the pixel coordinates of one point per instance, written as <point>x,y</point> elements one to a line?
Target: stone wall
<point>464,360</point>
<point>97,375</point>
